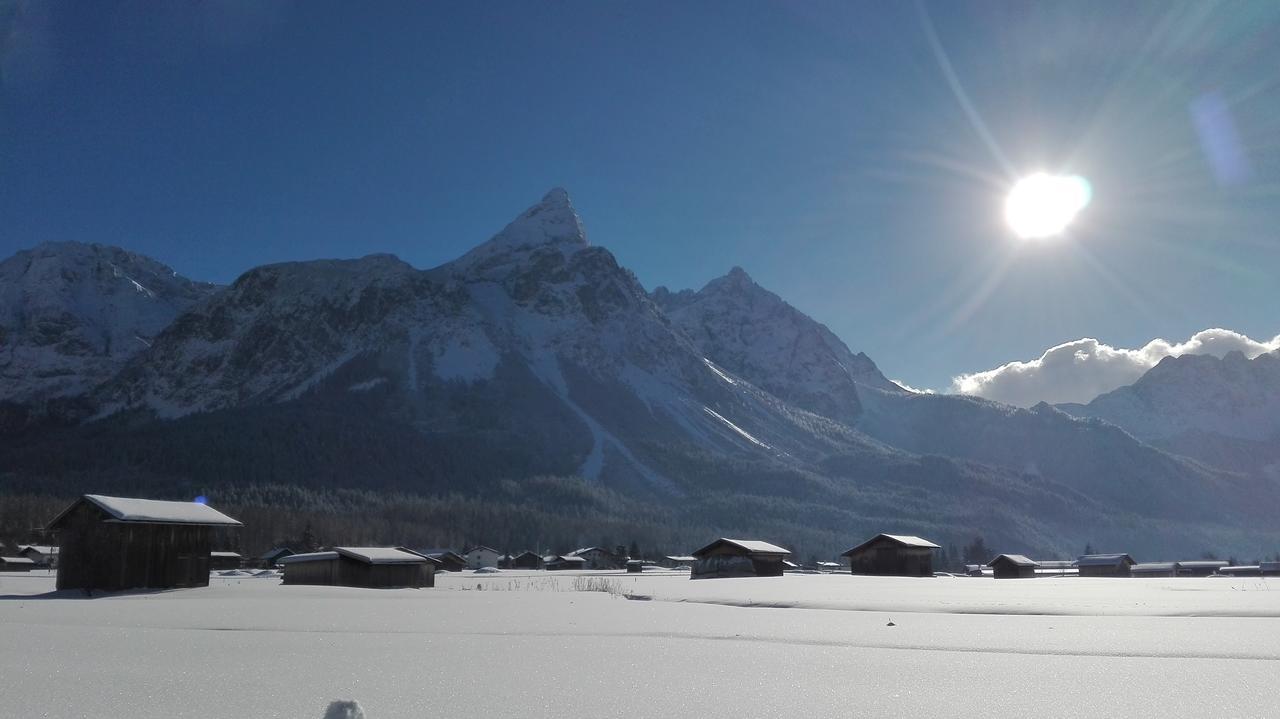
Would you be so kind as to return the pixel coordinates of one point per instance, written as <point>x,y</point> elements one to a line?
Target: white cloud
<point>1081,370</point>
<point>909,388</point>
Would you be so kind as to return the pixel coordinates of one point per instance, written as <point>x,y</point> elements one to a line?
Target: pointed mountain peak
<point>737,280</point>
<point>551,222</point>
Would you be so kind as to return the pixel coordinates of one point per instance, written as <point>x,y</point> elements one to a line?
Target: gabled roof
<point>564,558</point>
<point>677,558</point>
<point>40,548</point>
<point>308,557</point>
<point>275,553</point>
<point>584,550</point>
<point>483,548</point>
<point>382,555</point>
<point>152,511</point>
<point>227,555</point>
<point>527,553</point>
<point>752,546</point>
<point>903,540</point>
<point>17,560</point>
<point>1104,560</point>
<point>1017,560</point>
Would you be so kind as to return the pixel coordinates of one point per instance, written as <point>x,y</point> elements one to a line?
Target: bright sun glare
<point>1042,205</point>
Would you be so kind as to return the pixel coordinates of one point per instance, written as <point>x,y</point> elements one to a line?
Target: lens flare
<point>1043,205</point>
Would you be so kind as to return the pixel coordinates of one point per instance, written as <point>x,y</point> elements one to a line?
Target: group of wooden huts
<point>113,543</point>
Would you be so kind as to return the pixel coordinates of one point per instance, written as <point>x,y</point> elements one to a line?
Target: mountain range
<point>535,356</point>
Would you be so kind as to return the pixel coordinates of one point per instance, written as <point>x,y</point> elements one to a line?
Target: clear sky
<point>852,157</point>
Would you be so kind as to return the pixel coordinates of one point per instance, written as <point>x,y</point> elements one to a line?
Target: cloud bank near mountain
<point>1080,370</point>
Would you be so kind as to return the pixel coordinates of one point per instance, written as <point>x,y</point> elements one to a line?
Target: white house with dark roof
<point>482,556</point>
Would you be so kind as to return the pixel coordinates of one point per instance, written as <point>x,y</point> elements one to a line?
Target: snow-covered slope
<point>1232,396</point>
<point>1225,412</point>
<point>536,311</point>
<point>71,314</point>
<point>753,333</point>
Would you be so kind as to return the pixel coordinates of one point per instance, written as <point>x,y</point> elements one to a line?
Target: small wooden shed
<point>374,567</point>
<point>739,558</point>
<point>1013,566</point>
<point>219,561</point>
<point>113,543</point>
<point>896,555</point>
<point>559,562</point>
<point>450,561</point>
<point>1240,570</point>
<point>43,555</point>
<point>526,560</point>
<point>1105,565</point>
<point>16,564</point>
<point>272,557</point>
<point>1200,567</point>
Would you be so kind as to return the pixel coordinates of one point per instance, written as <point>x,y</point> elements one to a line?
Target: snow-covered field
<point>532,644</point>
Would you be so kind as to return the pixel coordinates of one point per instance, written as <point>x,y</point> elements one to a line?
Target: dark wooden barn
<point>1269,569</point>
<point>450,561</point>
<point>375,567</point>
<point>113,543</point>
<point>1105,565</point>
<point>1238,570</point>
<point>739,558</point>
<point>893,555</point>
<point>559,562</point>
<point>219,561</point>
<point>1013,566</point>
<point>16,564</point>
<point>273,556</point>
<point>526,560</point>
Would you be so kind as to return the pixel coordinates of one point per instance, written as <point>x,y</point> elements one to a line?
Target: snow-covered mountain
<point>536,312</point>
<point>1224,411</point>
<point>71,314</point>
<point>753,333</point>
<point>536,355</point>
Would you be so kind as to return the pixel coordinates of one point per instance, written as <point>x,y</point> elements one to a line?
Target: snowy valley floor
<point>533,644</point>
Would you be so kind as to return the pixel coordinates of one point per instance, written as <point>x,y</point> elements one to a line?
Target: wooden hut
<point>526,560</point>
<point>44,556</point>
<point>374,567</point>
<point>559,562</point>
<point>739,558</point>
<point>599,558</point>
<point>16,564</point>
<point>1105,565</point>
<point>894,555</point>
<point>272,557</point>
<point>449,560</point>
<point>1013,566</point>
<point>1147,570</point>
<point>1241,570</point>
<point>112,543</point>
<point>220,561</point>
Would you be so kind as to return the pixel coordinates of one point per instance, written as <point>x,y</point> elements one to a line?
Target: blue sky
<point>819,146</point>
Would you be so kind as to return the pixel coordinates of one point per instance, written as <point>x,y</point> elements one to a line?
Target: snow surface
<point>1141,647</point>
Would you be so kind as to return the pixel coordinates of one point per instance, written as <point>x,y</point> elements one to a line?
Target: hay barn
<point>373,567</point>
<point>16,564</point>
<point>1013,566</point>
<point>739,558</point>
<point>894,555</point>
<point>1105,565</point>
<point>113,543</point>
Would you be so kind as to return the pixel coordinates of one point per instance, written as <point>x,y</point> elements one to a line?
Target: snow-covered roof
<point>225,554</point>
<point>153,511</point>
<point>584,550</point>
<point>1203,564</point>
<point>308,557</point>
<point>903,540</point>
<point>17,560</point>
<point>275,553</point>
<point>1104,560</point>
<point>41,548</point>
<point>482,548</point>
<point>381,555</point>
<point>1154,567</point>
<point>1018,560</point>
<point>564,558</point>
<point>753,546</point>
<point>677,558</point>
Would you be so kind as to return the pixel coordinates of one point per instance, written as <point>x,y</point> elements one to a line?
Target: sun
<point>1043,205</point>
